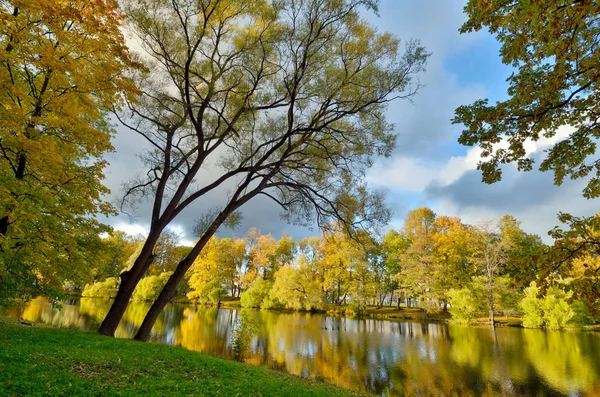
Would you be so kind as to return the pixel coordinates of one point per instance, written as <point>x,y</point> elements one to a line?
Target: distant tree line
<point>436,263</point>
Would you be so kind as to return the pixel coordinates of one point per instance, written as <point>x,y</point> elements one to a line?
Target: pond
<point>382,357</point>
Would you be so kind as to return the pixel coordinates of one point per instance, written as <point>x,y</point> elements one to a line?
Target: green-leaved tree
<point>284,99</point>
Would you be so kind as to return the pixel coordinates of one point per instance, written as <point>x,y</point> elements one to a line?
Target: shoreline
<point>42,360</point>
<point>389,313</point>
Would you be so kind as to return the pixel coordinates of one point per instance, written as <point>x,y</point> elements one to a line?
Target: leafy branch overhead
<point>288,97</point>
<point>553,48</point>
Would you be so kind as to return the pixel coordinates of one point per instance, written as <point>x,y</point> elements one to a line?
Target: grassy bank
<point>36,360</point>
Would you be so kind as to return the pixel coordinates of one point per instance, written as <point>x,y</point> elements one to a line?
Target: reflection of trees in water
<point>206,330</point>
<point>164,327</point>
<point>94,309</point>
<point>65,316</point>
<point>245,329</point>
<point>567,361</point>
<point>358,354</point>
<point>372,355</point>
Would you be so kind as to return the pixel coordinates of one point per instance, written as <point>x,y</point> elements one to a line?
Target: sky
<point>428,167</point>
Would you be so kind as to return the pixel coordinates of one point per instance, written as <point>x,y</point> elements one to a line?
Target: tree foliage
<point>283,99</point>
<point>149,287</point>
<point>297,288</point>
<point>531,305</point>
<point>415,276</point>
<point>212,271</point>
<point>552,45</point>
<point>552,310</point>
<point>257,293</point>
<point>465,305</point>
<point>62,67</point>
<point>102,289</point>
<point>575,255</point>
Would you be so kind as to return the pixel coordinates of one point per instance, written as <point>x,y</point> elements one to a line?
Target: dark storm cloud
<point>515,193</point>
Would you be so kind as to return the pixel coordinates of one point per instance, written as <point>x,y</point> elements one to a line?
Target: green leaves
<point>550,310</point>
<point>551,45</point>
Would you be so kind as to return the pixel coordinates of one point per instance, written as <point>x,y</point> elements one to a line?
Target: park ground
<point>38,360</point>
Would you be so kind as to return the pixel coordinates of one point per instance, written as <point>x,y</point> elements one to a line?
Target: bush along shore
<point>37,360</point>
<point>575,321</point>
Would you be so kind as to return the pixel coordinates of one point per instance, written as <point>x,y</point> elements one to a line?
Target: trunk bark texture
<point>129,280</point>
<point>165,296</point>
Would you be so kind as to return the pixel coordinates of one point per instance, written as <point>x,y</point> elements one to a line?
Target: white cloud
<point>414,174</point>
<point>132,228</point>
<point>135,229</point>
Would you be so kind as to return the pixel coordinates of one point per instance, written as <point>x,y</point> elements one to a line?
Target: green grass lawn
<point>36,361</point>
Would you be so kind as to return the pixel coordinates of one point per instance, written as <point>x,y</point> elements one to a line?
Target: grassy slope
<point>48,361</point>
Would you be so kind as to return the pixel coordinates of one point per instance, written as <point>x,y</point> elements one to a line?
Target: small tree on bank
<point>490,256</point>
<point>285,99</point>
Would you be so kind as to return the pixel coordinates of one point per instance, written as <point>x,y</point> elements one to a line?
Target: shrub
<point>552,311</point>
<point>103,289</point>
<point>464,305</point>
<point>531,305</point>
<point>149,287</point>
<point>256,294</point>
<point>557,311</point>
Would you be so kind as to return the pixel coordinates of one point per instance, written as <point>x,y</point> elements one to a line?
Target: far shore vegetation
<point>436,268</point>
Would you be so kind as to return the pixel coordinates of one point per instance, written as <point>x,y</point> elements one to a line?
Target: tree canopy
<point>62,67</point>
<point>283,99</point>
<point>553,48</point>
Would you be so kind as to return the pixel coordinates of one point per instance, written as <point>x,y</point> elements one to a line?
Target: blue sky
<point>428,167</point>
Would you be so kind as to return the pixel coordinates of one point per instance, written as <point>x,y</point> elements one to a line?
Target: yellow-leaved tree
<point>62,67</point>
<point>214,270</point>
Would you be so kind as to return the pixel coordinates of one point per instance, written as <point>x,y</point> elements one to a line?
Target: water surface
<point>383,357</point>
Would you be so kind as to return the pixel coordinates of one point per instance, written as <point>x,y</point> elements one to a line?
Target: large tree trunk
<point>165,296</point>
<point>129,280</point>
<point>170,289</point>
<point>4,225</point>
<point>19,172</point>
<point>117,309</point>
